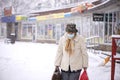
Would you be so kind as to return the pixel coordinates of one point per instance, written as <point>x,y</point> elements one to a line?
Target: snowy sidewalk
<point>35,61</point>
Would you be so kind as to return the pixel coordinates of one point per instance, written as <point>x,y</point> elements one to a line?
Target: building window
<point>2,29</point>
<point>41,31</point>
<point>110,21</point>
<point>27,30</point>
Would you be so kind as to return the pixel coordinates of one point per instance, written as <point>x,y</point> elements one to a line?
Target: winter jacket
<point>77,60</point>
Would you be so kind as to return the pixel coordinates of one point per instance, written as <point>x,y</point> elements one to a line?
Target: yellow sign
<point>50,16</point>
<point>59,15</point>
<point>41,18</point>
<point>18,18</point>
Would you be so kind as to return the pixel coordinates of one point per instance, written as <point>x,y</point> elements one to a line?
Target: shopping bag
<point>56,75</point>
<point>84,76</point>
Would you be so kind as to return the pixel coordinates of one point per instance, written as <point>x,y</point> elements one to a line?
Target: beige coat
<point>77,60</point>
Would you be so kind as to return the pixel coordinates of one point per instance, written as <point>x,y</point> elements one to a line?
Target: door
<point>58,32</point>
<point>34,33</point>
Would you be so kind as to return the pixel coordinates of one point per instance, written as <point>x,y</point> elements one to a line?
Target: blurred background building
<point>45,20</point>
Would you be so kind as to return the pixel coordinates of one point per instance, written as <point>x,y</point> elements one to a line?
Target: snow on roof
<point>62,7</point>
<point>95,6</point>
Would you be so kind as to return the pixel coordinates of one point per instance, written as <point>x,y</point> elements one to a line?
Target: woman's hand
<point>57,68</point>
<point>85,68</point>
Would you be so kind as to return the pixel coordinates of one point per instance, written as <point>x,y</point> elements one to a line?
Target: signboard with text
<point>7,11</point>
<point>98,16</point>
<point>107,17</point>
<point>8,19</point>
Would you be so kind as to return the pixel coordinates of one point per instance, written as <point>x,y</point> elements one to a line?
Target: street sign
<point>98,16</point>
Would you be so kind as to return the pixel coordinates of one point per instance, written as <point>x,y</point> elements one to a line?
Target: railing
<point>115,56</point>
<point>92,42</point>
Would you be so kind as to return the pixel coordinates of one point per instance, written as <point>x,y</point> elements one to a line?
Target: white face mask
<point>70,36</point>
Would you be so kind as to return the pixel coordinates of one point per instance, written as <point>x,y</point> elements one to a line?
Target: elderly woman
<point>71,55</point>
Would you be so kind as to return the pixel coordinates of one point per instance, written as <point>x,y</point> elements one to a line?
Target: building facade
<point>100,21</point>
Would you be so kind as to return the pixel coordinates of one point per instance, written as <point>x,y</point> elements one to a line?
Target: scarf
<point>69,46</point>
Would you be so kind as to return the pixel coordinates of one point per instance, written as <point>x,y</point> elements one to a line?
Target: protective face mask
<point>70,36</point>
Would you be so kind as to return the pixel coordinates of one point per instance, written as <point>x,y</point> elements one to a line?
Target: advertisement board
<point>7,11</point>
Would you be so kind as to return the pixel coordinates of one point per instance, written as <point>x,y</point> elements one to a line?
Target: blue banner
<point>8,19</point>
<point>67,15</point>
<point>32,19</point>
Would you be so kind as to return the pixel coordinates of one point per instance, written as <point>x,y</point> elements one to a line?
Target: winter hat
<point>71,28</point>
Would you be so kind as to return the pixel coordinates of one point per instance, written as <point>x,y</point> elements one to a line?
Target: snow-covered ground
<point>35,61</point>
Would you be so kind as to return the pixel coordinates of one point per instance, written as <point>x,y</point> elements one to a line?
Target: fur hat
<point>71,28</point>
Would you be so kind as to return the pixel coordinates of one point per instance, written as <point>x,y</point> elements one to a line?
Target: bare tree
<point>20,6</point>
<point>2,5</point>
<point>16,5</point>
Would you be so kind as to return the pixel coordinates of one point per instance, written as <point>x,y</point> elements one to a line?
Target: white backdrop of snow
<point>35,61</point>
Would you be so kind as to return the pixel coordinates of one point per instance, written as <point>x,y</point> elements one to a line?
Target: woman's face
<point>70,35</point>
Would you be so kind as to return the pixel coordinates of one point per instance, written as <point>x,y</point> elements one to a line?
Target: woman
<point>71,54</point>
